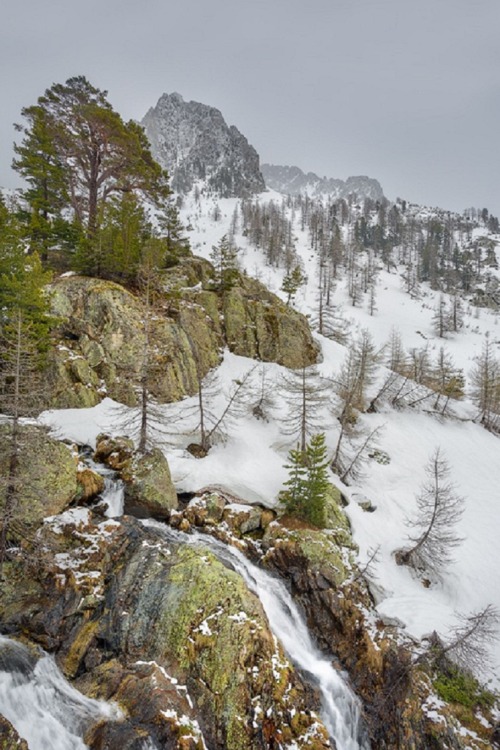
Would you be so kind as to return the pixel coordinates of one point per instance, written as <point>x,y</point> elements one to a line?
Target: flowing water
<point>340,708</point>
<point>45,709</point>
<point>49,713</point>
<point>113,493</point>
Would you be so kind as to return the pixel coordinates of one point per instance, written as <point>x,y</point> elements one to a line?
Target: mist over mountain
<point>193,142</point>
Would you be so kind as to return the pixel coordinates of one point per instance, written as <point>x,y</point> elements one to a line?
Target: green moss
<point>458,686</point>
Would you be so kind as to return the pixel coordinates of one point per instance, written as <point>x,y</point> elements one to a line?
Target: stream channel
<point>49,712</point>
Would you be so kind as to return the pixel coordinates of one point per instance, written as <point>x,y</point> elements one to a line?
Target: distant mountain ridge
<point>292,181</point>
<point>193,142</point>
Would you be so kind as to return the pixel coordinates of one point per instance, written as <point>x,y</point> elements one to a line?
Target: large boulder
<point>259,325</point>
<point>46,477</point>
<point>149,490</point>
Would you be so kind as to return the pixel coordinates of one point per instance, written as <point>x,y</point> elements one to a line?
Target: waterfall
<point>341,712</point>
<point>43,707</point>
<point>112,495</point>
<point>114,487</point>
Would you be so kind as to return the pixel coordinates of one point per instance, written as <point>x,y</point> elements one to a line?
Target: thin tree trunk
<point>11,489</point>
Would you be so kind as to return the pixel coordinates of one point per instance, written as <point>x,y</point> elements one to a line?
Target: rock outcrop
<point>193,142</point>
<point>292,181</point>
<point>101,339</point>
<point>166,631</point>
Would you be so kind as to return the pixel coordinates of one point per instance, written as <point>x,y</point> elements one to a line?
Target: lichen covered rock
<point>102,344</point>
<point>259,325</point>
<point>169,632</point>
<point>149,490</point>
<point>101,335</point>
<point>46,477</point>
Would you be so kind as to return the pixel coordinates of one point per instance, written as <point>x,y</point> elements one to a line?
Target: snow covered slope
<point>250,463</point>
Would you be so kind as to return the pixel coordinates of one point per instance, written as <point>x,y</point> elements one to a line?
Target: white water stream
<point>43,707</point>
<point>113,493</point>
<point>340,708</point>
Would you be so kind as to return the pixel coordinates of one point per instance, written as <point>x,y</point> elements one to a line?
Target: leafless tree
<point>468,644</point>
<point>485,381</point>
<point>439,507</point>
<point>307,396</point>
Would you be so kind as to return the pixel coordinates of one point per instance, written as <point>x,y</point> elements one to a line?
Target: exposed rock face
<point>292,181</point>
<point>101,335</point>
<point>193,142</point>
<point>394,686</point>
<point>102,346</point>
<point>46,476</point>
<point>167,631</point>
<point>259,325</point>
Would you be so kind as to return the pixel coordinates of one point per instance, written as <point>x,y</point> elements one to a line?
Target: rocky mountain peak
<point>292,181</point>
<point>193,142</point>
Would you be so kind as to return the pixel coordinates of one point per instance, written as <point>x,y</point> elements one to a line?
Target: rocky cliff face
<point>193,142</point>
<point>101,338</point>
<point>292,181</point>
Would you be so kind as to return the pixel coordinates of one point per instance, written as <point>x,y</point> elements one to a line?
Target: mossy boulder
<point>310,551</point>
<point>46,477</point>
<point>149,490</point>
<point>242,518</point>
<point>90,483</point>
<point>115,452</point>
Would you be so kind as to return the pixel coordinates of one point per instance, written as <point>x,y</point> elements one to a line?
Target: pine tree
<point>317,482</point>
<point>292,283</point>
<point>172,232</point>
<point>91,155</point>
<point>308,482</point>
<point>37,161</point>
<point>224,256</point>
<point>24,340</point>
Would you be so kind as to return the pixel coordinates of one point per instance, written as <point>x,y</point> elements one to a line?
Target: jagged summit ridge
<point>292,181</point>
<point>193,142</point>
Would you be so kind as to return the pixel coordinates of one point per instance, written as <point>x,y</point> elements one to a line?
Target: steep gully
<point>38,701</point>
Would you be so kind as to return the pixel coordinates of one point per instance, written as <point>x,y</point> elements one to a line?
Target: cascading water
<point>45,709</point>
<point>340,707</point>
<point>113,493</point>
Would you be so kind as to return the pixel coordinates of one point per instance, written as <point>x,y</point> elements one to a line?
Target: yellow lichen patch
<point>78,648</point>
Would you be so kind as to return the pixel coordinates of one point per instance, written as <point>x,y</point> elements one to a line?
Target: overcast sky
<point>407,92</point>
